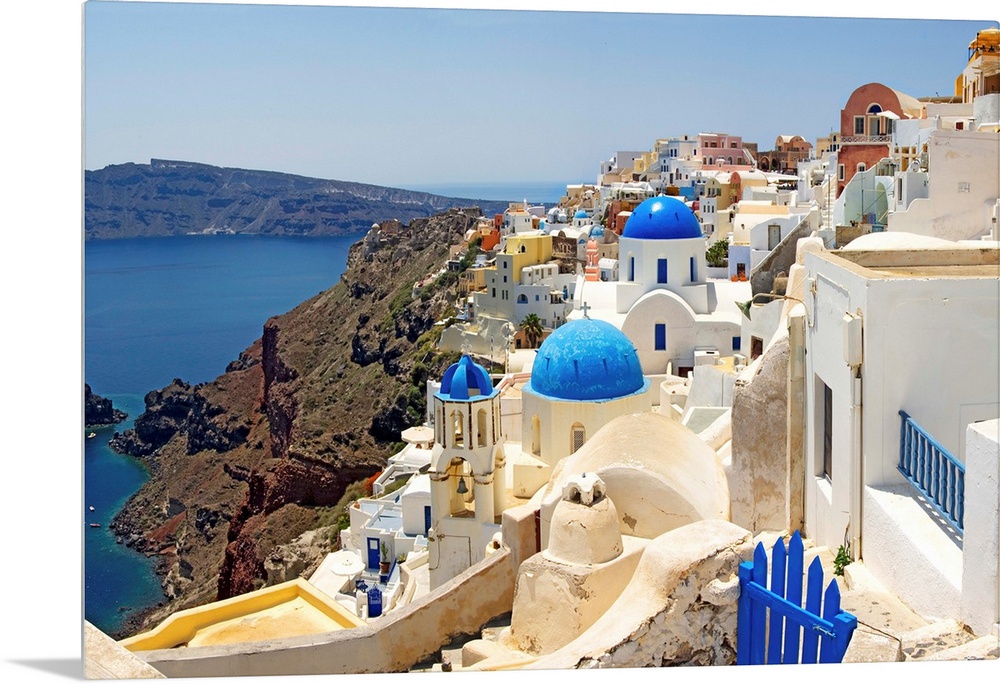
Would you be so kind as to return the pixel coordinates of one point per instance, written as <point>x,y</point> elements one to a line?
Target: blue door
<point>427,519</point>
<point>373,555</point>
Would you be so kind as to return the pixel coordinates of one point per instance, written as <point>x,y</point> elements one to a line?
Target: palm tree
<point>532,328</point>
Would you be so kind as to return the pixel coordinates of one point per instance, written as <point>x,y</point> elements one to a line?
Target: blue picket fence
<point>933,472</point>
<point>773,626</point>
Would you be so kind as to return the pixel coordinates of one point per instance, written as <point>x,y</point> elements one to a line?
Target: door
<point>373,554</point>
<point>427,519</point>
<point>773,235</point>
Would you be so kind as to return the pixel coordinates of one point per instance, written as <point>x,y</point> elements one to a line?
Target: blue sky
<point>416,96</point>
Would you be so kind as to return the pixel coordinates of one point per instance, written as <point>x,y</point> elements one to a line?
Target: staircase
<point>828,192</point>
<point>889,631</point>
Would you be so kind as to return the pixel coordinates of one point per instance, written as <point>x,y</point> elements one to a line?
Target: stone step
<point>983,648</point>
<point>934,638</point>
<point>865,598</point>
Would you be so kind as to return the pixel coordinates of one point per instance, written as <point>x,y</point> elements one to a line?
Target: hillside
<point>165,198</point>
<point>244,464</point>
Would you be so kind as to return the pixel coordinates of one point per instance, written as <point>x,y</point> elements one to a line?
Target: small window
<point>827,431</point>
<point>862,168</point>
<point>661,270</point>
<point>859,125</point>
<point>578,436</point>
<point>840,172</point>
<point>736,343</point>
<point>660,336</point>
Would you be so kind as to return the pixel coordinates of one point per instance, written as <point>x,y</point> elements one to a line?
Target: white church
<point>662,299</point>
<point>585,375</point>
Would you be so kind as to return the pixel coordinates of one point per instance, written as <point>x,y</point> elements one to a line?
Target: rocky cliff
<point>244,467</point>
<point>179,198</point>
<point>98,410</point>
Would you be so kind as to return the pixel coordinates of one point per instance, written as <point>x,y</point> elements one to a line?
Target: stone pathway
<point>889,631</point>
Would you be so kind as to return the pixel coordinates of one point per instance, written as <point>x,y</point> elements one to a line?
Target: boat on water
<point>95,524</point>
<point>91,435</point>
<point>90,508</point>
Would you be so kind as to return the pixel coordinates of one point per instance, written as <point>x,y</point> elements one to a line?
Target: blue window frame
<point>694,270</point>
<point>736,343</point>
<point>631,268</point>
<point>661,270</point>
<point>660,336</point>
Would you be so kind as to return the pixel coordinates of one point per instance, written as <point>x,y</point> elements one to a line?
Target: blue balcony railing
<point>933,472</point>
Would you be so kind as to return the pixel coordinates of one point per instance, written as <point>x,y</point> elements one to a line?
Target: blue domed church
<point>662,300</point>
<point>585,374</point>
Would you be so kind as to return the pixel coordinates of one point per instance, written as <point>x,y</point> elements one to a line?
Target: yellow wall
<point>537,250</point>
<point>186,625</point>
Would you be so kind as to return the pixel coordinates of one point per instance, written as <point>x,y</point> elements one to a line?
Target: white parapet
<point>981,543</point>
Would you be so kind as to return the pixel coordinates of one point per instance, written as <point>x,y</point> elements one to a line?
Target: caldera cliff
<point>247,470</point>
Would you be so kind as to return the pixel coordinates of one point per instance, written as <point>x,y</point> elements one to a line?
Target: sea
<point>156,309</point>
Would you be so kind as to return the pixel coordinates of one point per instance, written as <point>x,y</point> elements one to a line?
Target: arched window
<point>481,427</point>
<point>457,431</point>
<point>862,168</point>
<point>578,435</point>
<point>522,299</point>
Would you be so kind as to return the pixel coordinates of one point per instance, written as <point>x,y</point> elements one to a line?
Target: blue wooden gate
<point>773,627</point>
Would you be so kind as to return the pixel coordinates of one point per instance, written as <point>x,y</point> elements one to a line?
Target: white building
<point>900,323</point>
<point>953,193</point>
<point>941,178</point>
<point>662,299</point>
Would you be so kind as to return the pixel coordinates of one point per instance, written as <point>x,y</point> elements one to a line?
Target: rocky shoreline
<point>99,411</point>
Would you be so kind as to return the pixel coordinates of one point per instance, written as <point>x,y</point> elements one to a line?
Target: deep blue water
<point>160,308</point>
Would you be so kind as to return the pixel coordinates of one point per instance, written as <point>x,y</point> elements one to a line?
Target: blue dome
<point>662,218</point>
<point>465,381</point>
<point>580,214</point>
<point>587,360</point>
<point>597,231</point>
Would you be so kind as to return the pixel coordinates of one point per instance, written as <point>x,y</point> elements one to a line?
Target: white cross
<point>585,308</point>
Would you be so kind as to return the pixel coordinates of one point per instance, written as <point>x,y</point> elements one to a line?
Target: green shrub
<point>718,254</point>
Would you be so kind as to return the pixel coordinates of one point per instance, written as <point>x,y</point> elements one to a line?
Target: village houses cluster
<point>711,344</point>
